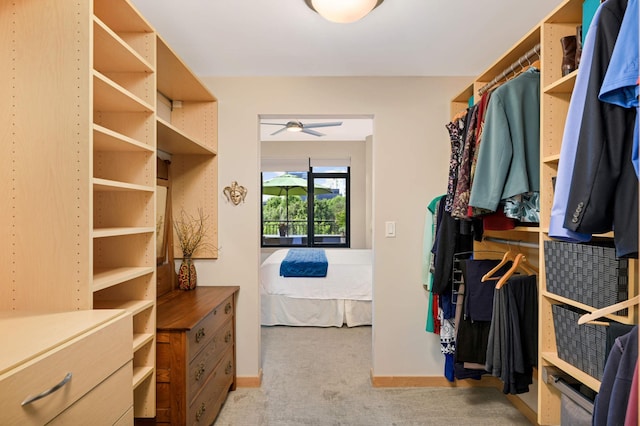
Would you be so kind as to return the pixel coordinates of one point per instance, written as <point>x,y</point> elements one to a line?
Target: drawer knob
<point>227,308</point>
<point>200,412</point>
<point>227,337</point>
<point>199,335</point>
<point>200,371</point>
<point>48,392</point>
<point>229,368</point>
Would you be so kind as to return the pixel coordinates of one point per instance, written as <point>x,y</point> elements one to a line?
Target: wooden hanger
<point>508,255</point>
<point>519,262</point>
<point>608,310</point>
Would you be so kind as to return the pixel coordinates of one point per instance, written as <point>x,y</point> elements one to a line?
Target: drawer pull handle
<point>229,368</point>
<point>200,412</point>
<point>227,337</point>
<point>199,335</point>
<point>200,371</point>
<point>227,308</point>
<point>48,392</point>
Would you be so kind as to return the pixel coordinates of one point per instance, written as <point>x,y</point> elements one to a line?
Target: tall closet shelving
<point>80,134</point>
<point>554,98</point>
<point>187,125</point>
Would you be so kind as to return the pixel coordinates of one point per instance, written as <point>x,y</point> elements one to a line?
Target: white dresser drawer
<point>91,357</point>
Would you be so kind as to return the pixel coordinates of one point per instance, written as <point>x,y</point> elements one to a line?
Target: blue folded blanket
<point>304,263</point>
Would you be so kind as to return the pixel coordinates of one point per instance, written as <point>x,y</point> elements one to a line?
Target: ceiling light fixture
<point>343,11</point>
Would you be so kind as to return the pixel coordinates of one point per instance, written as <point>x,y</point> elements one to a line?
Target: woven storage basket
<point>582,346</point>
<point>587,273</point>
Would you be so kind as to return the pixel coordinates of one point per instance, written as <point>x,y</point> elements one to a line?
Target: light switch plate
<point>389,229</point>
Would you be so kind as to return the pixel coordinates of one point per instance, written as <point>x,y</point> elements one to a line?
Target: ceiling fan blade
<point>279,131</point>
<point>334,123</point>
<point>275,124</point>
<point>312,132</point>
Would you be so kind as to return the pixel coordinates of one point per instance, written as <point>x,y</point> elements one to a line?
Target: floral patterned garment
<point>463,186</point>
<point>456,130</point>
<point>523,207</point>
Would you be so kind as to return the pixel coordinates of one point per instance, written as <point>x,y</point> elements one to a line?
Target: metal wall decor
<point>235,193</point>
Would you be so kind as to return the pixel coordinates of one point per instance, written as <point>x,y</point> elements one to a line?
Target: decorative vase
<point>187,277</point>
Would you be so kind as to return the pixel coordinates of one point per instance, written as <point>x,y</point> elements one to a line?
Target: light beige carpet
<point>321,376</point>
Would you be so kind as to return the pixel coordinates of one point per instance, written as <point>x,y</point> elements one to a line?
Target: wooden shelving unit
<point>555,97</point>
<point>80,153</point>
<point>188,131</point>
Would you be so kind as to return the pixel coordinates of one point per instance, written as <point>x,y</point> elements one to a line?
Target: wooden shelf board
<point>104,278</point>
<point>552,358</point>
<point>111,97</point>
<point>122,231</point>
<point>175,80</point>
<point>134,307</point>
<point>112,185</point>
<point>120,16</point>
<point>141,339</point>
<point>551,159</point>
<point>521,47</point>
<point>111,53</point>
<point>563,86</point>
<point>174,141</point>
<point>140,374</point>
<point>107,140</point>
<point>566,12</point>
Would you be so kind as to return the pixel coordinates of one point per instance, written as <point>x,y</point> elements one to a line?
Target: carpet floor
<point>321,377</point>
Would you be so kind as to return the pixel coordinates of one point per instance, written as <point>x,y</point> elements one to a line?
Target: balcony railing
<point>294,232</point>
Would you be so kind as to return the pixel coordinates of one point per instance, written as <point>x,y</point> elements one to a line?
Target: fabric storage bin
<point>572,414</point>
<point>583,346</point>
<point>587,273</point>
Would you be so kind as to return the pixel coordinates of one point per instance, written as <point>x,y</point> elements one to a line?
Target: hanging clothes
<point>473,330</point>
<point>604,187</point>
<point>570,142</point>
<point>463,186</point>
<point>427,260</point>
<point>610,406</point>
<point>509,158</point>
<point>620,85</point>
<point>457,130</point>
<point>512,348</point>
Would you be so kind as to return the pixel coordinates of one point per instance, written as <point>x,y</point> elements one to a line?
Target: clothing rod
<point>512,68</point>
<point>512,242</point>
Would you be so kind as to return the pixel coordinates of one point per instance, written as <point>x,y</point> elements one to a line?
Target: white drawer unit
<point>68,367</point>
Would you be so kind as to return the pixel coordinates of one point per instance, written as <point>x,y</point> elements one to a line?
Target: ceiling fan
<point>297,126</point>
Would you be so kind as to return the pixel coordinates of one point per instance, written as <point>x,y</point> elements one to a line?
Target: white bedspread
<point>349,276</point>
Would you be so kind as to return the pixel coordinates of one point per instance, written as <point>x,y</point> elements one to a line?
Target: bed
<point>343,296</point>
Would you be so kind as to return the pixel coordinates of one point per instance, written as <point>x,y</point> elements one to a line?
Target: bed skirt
<point>283,310</point>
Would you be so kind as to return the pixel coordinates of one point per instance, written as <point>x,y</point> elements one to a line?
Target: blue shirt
<point>570,143</point>
<point>620,85</point>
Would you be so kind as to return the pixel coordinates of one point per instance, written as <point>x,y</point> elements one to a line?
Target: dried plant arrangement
<point>191,232</point>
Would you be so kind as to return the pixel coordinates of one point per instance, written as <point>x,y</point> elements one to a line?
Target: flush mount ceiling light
<point>343,11</point>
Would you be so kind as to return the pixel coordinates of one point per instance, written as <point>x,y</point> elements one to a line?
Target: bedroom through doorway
<point>316,174</point>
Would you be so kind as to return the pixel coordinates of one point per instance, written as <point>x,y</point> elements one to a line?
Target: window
<point>307,208</point>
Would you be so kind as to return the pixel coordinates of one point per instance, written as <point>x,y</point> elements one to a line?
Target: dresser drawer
<point>104,405</point>
<point>204,363</point>
<point>90,358</point>
<point>205,408</point>
<point>200,335</point>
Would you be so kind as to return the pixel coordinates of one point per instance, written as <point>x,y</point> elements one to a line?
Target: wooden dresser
<point>195,354</point>
<point>83,358</point>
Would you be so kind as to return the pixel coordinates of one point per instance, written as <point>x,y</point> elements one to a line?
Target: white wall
<point>409,153</point>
